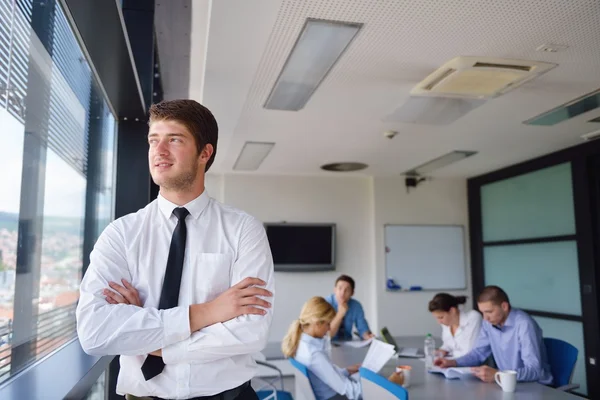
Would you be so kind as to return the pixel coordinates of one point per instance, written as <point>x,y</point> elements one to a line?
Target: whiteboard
<point>430,256</point>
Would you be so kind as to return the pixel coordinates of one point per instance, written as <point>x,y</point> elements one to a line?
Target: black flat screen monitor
<point>302,247</point>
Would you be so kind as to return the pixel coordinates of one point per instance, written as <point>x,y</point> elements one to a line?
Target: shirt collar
<point>510,320</point>
<point>313,341</point>
<point>195,207</point>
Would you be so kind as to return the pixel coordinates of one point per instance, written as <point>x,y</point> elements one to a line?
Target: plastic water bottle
<point>429,350</point>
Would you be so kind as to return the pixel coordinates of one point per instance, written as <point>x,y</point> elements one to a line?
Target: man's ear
<point>206,152</point>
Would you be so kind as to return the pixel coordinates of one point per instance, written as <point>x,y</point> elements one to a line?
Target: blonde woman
<point>305,342</point>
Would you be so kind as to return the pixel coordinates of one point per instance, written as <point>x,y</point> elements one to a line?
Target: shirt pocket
<point>211,276</point>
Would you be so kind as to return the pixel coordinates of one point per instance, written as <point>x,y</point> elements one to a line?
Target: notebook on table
<point>452,373</point>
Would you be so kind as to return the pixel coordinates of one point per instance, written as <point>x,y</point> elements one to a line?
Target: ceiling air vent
<point>479,77</point>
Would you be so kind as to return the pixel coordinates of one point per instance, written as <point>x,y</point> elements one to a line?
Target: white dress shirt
<point>465,336</point>
<point>326,378</point>
<point>224,246</point>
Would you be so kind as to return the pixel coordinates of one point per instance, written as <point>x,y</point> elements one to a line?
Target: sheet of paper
<point>357,343</point>
<point>379,353</point>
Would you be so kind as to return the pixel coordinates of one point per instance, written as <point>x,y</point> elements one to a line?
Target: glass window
<point>537,204</point>
<point>536,276</point>
<point>57,158</point>
<point>572,333</point>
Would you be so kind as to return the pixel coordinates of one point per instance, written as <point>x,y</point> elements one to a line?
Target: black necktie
<point>169,295</point>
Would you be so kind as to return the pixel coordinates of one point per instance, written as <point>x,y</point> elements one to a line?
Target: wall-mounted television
<point>300,247</point>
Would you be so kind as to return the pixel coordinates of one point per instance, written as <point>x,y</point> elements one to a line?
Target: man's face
<point>343,291</point>
<point>173,156</point>
<point>493,313</point>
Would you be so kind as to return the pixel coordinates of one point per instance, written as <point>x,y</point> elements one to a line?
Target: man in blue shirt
<point>349,311</point>
<point>511,336</point>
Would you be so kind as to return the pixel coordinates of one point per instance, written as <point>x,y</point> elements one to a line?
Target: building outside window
<point>57,178</point>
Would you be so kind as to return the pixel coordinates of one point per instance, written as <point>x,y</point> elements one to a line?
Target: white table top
<point>430,386</point>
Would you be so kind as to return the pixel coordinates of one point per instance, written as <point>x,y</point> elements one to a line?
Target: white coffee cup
<point>405,371</point>
<point>507,380</point>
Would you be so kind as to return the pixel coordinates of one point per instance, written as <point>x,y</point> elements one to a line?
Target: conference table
<point>425,385</point>
<point>428,386</point>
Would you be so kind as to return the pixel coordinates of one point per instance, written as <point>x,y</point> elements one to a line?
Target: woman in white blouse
<point>305,341</point>
<point>460,329</point>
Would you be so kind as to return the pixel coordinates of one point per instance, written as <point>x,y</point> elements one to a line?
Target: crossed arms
<point>234,323</point>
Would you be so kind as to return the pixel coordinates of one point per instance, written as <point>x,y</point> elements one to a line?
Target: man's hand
<point>352,369</point>
<point>342,309</point>
<point>444,363</point>
<point>484,373</point>
<point>157,353</point>
<point>125,294</point>
<point>241,299</point>
<point>368,335</point>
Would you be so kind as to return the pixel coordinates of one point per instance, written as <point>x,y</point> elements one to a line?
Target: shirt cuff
<point>176,322</point>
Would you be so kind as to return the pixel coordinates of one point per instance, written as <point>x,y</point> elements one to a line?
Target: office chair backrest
<point>376,387</point>
<point>304,390</point>
<point>561,357</point>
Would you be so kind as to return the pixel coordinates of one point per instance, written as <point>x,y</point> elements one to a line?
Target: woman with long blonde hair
<point>305,341</point>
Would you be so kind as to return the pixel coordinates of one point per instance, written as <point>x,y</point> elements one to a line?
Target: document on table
<point>379,353</point>
<point>452,373</point>
<point>357,343</point>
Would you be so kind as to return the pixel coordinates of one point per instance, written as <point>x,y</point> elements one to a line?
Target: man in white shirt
<point>178,289</point>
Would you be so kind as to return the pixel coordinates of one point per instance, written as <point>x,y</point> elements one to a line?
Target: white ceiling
<point>238,59</point>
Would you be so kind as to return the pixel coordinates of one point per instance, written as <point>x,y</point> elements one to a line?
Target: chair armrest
<point>266,364</point>
<point>569,387</point>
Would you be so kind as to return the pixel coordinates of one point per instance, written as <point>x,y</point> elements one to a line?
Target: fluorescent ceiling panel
<point>252,155</point>
<point>439,162</point>
<point>319,46</point>
<point>567,111</point>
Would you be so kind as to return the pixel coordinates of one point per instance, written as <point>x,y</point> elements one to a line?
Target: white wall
<point>360,207</point>
<point>346,201</point>
<point>442,201</point>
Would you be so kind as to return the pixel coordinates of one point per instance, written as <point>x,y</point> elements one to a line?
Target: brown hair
<point>315,310</point>
<point>494,294</point>
<point>445,301</point>
<point>345,278</point>
<point>194,116</point>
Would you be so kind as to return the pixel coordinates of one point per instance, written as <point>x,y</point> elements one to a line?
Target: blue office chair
<point>376,387</point>
<point>562,357</point>
<point>267,388</point>
<point>304,390</point>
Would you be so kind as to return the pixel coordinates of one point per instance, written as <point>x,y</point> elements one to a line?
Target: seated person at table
<point>305,342</point>
<point>511,336</point>
<point>460,329</point>
<point>349,312</point>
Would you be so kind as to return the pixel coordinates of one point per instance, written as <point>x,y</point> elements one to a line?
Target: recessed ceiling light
<point>252,155</point>
<point>591,135</point>
<point>568,110</point>
<point>439,162</point>
<point>344,166</point>
<point>319,46</point>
